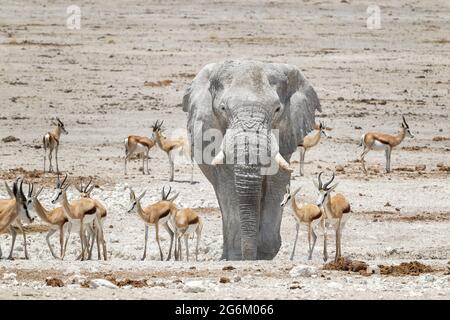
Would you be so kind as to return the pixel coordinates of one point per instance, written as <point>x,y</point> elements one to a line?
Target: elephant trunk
<point>248,182</point>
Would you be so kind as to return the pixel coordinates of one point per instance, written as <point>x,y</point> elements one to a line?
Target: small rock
<point>228,268</point>
<point>194,287</point>
<point>388,204</point>
<point>54,282</point>
<point>428,278</point>
<point>237,278</point>
<point>373,269</point>
<point>224,280</point>
<point>303,271</point>
<point>421,167</point>
<point>9,276</point>
<point>10,139</point>
<point>102,283</point>
<point>339,168</point>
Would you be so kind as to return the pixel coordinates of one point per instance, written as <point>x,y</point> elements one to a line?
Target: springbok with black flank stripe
<point>186,222</point>
<point>85,192</point>
<point>335,211</point>
<point>172,147</point>
<point>141,146</point>
<point>310,142</point>
<point>51,143</point>
<point>382,141</point>
<point>157,214</point>
<point>13,211</point>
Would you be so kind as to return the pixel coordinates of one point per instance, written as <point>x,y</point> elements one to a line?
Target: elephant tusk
<point>219,158</point>
<point>283,163</point>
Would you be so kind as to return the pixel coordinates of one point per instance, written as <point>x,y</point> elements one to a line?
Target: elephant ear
<point>197,102</point>
<point>298,98</point>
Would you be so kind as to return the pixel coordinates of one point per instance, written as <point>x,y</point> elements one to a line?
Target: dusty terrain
<point>129,65</point>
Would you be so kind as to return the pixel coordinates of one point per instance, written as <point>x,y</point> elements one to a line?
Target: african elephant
<point>248,99</point>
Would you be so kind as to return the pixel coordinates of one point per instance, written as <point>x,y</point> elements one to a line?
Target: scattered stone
<point>194,286</point>
<point>440,138</point>
<point>373,269</point>
<point>388,204</point>
<point>340,168</point>
<point>102,283</point>
<point>237,278</point>
<point>10,139</point>
<point>9,276</point>
<point>421,167</point>
<point>54,282</point>
<point>228,268</point>
<point>303,271</point>
<point>224,280</point>
<point>358,127</point>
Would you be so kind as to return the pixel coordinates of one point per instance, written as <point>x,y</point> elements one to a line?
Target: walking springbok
<point>382,141</point>
<point>335,209</point>
<point>12,211</point>
<point>57,221</point>
<point>305,214</point>
<point>171,147</point>
<point>85,192</point>
<point>186,222</point>
<point>140,146</point>
<point>155,215</point>
<point>81,213</point>
<point>309,142</point>
<point>51,142</point>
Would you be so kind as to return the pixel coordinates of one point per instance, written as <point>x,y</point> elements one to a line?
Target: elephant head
<point>261,111</point>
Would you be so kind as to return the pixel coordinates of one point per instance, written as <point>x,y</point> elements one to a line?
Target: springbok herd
<point>87,215</point>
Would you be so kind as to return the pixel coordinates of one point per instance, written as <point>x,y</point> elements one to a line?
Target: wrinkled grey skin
<point>254,97</point>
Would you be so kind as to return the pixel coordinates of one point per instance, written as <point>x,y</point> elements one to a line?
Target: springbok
<point>85,192</point>
<point>51,142</point>
<point>155,215</point>
<point>57,221</point>
<point>309,142</point>
<point>140,146</point>
<point>172,147</point>
<point>382,141</point>
<point>12,211</point>
<point>335,209</point>
<point>80,213</point>
<point>304,214</point>
<point>186,222</point>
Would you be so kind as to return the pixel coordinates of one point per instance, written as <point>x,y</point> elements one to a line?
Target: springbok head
<point>288,195</point>
<point>405,126</point>
<point>60,125</point>
<point>134,201</point>
<point>60,187</point>
<point>324,189</point>
<point>165,196</point>
<point>322,129</point>
<point>85,191</point>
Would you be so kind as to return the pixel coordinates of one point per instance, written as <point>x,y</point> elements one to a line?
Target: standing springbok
<point>56,220</point>
<point>140,146</point>
<point>11,212</point>
<point>309,142</point>
<point>185,223</point>
<point>304,214</point>
<point>51,142</point>
<point>155,215</point>
<point>85,192</point>
<point>172,147</point>
<point>382,141</point>
<point>81,213</point>
<point>335,209</point>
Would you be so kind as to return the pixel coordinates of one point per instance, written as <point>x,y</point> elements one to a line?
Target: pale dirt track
<point>94,79</point>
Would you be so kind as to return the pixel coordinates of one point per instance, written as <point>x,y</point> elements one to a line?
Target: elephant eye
<point>277,109</point>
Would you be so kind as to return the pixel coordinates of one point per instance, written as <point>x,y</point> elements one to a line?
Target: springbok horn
<point>64,181</point>
<point>320,180</point>
<point>39,192</point>
<point>87,186</point>
<point>170,189</point>
<point>325,186</point>
<point>30,189</point>
<point>58,180</point>
<point>162,192</point>
<point>404,121</point>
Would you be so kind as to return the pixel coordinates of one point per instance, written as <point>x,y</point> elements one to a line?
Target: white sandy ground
<point>94,80</point>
